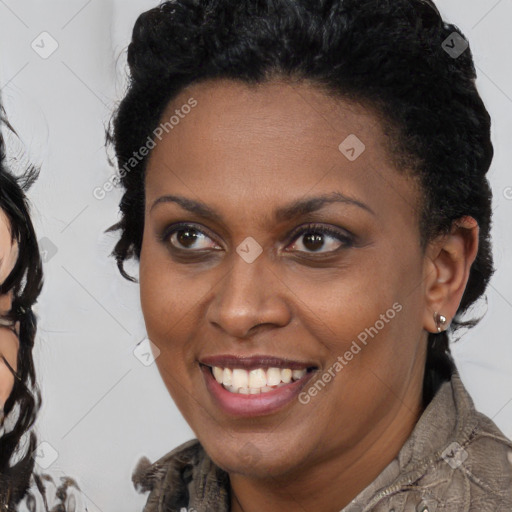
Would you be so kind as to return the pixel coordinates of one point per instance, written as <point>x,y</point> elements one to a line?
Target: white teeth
<point>298,374</point>
<point>217,373</point>
<point>273,376</point>
<point>257,378</point>
<point>240,378</point>
<point>227,377</point>
<point>286,375</point>
<point>253,382</point>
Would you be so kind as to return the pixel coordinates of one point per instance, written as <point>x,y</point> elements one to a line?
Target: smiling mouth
<point>254,386</point>
<point>257,380</point>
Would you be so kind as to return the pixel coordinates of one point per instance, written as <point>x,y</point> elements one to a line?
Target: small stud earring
<point>440,320</point>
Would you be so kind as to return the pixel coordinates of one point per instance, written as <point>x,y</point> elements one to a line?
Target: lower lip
<point>237,404</point>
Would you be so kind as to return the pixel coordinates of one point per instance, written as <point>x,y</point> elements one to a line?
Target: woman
<point>21,280</point>
<point>20,285</point>
<point>305,190</point>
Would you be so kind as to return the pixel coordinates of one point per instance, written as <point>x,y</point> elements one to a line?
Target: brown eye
<point>312,239</point>
<point>187,237</point>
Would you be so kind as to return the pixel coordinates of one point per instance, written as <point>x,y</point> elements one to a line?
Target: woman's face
<point>242,289</point>
<point>8,248</point>
<point>8,340</point>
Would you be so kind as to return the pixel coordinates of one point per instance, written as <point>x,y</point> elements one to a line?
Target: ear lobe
<point>448,262</point>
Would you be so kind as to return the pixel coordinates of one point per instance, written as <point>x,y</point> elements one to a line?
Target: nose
<point>249,298</point>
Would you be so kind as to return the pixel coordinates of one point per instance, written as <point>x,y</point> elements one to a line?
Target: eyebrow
<point>290,211</point>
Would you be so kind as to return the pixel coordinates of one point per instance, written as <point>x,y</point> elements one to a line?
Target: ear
<point>448,260</point>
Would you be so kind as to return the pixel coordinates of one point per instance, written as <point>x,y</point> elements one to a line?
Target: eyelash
<point>346,239</point>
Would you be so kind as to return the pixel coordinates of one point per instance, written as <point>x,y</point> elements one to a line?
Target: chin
<point>249,456</point>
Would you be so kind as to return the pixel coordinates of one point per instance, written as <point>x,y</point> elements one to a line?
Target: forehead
<point>229,114</point>
<point>247,146</point>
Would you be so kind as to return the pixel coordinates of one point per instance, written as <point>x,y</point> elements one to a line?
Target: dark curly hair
<point>25,282</point>
<point>388,55</point>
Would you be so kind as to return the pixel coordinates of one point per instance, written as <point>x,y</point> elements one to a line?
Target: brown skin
<point>9,343</point>
<point>9,346</point>
<point>244,152</point>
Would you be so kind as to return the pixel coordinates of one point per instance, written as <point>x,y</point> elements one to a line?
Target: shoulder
<point>185,477</point>
<point>487,452</point>
<point>146,475</point>
<point>456,459</point>
<point>473,466</point>
<point>486,466</point>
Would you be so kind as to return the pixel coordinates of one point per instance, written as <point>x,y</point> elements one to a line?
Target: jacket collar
<point>448,422</point>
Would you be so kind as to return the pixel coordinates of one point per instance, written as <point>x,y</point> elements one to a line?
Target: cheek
<point>170,301</point>
<point>367,317</point>
<point>9,347</point>
<point>169,298</point>
<point>160,290</point>
<point>163,313</point>
<point>342,302</point>
<point>5,303</point>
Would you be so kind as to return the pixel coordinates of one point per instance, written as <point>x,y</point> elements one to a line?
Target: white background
<point>102,408</point>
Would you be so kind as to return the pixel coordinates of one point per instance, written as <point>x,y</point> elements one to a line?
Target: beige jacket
<point>455,460</point>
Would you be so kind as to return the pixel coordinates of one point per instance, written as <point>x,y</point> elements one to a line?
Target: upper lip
<point>256,361</point>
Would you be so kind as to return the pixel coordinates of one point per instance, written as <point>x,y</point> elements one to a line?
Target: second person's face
<point>9,343</point>
<point>8,248</point>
